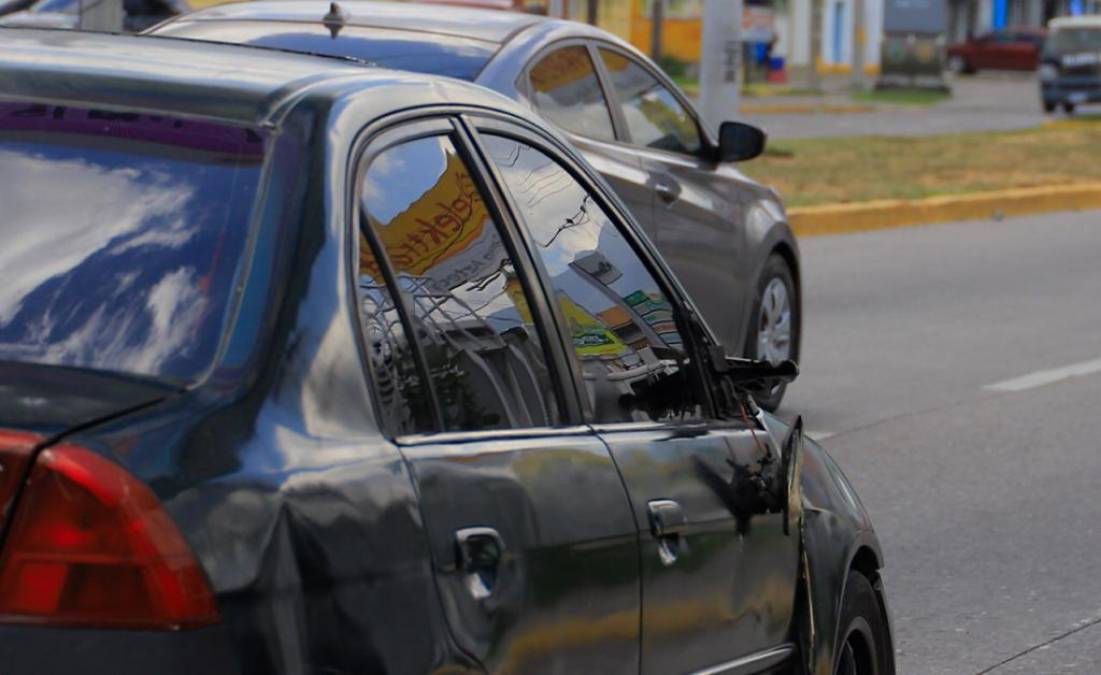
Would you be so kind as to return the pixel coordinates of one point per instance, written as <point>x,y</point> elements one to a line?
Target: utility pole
<point>814,80</point>
<point>657,19</point>
<point>860,38</point>
<point>594,15</point>
<point>556,9</point>
<point>721,60</point>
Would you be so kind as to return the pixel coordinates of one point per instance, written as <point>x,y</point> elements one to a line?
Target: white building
<point>835,42</point>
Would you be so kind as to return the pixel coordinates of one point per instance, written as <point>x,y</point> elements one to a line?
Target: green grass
<point>902,96</point>
<point>810,172</point>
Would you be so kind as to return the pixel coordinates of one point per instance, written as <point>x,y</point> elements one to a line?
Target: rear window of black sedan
<point>123,236</point>
<point>414,51</point>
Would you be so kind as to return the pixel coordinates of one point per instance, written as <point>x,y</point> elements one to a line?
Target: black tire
<point>1049,107</point>
<point>1068,108</point>
<point>863,639</point>
<point>775,268</point>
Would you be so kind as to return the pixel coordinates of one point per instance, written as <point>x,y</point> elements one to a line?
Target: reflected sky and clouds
<point>119,255</point>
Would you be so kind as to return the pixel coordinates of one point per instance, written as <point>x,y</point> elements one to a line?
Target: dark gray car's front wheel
<point>775,329</point>
<point>863,640</point>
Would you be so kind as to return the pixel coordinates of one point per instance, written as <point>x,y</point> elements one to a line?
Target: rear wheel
<point>863,640</point>
<point>1049,107</point>
<point>774,333</point>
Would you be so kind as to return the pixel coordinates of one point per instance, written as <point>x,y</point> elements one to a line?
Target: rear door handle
<point>668,523</point>
<point>667,190</point>
<point>480,551</point>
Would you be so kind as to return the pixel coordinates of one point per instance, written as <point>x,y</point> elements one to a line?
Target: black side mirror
<point>739,142</point>
<point>751,374</point>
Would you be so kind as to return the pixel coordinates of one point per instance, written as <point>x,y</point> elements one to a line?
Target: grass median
<point>812,172</point>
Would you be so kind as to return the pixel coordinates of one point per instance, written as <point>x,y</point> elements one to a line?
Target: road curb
<point>814,221</point>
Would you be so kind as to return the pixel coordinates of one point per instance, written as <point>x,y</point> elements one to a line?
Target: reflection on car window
<point>566,91</point>
<point>654,116</point>
<point>398,387</point>
<point>123,235</point>
<point>623,329</point>
<point>470,310</point>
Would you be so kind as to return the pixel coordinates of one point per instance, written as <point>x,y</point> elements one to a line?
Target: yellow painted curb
<point>885,214</point>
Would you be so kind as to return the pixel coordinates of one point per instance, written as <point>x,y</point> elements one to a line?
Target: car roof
<point>228,82</point>
<point>1086,21</point>
<point>489,25</point>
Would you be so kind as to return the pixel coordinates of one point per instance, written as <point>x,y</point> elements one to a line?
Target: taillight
<point>90,545</point>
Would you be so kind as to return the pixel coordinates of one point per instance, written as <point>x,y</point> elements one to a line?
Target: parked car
<point>725,235</point>
<point>1008,49</point>
<point>326,369</point>
<point>138,15</point>
<point>1071,71</point>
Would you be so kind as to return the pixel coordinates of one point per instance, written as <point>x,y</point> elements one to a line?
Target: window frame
<point>409,127</point>
<point>706,143</point>
<point>686,316</point>
<point>523,85</point>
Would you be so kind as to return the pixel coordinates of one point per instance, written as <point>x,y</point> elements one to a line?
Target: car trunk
<point>39,403</point>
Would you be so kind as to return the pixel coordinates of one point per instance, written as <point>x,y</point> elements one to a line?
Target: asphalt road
<point>994,102</point>
<point>935,365</point>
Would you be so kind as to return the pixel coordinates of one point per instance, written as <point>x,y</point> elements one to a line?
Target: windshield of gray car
<point>1071,40</point>
<point>123,237</point>
<point>415,51</point>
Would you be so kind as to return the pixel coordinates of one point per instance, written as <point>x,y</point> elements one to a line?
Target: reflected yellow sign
<point>590,335</point>
<point>440,225</point>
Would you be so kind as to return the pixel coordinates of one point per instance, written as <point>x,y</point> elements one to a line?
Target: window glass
<point>470,310</point>
<point>566,91</point>
<point>123,237</point>
<point>623,329</point>
<point>655,117</point>
<point>398,386</point>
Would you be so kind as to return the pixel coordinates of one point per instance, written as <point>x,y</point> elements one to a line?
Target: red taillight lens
<point>90,545</point>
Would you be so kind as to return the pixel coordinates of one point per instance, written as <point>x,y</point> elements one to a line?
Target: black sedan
<point>307,368</point>
<point>725,235</point>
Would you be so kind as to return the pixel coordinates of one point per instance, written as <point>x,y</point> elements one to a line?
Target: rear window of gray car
<point>415,51</point>
<point>123,237</point>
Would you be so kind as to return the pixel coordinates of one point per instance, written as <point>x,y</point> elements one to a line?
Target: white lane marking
<point>820,435</point>
<point>1045,377</point>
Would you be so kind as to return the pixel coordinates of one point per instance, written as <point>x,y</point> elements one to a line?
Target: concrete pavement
<point>985,102</point>
<point>985,498</point>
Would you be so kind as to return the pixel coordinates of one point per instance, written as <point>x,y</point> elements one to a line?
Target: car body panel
<point>743,568</point>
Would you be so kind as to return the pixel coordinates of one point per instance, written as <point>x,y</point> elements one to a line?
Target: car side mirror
<point>752,374</point>
<point>739,142</point>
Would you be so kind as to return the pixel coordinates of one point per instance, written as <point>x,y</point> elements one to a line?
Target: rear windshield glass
<point>123,236</point>
<point>415,51</point>
<point>1069,40</point>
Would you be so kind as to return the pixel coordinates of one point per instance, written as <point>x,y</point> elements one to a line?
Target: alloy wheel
<point>774,323</point>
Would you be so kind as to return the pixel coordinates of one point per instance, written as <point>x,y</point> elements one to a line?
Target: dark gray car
<point>726,236</point>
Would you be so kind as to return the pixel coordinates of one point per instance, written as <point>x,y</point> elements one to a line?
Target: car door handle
<point>667,191</point>
<point>667,518</point>
<point>668,523</point>
<point>480,551</point>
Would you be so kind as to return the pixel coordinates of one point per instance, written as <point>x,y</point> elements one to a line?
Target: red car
<point>1009,49</point>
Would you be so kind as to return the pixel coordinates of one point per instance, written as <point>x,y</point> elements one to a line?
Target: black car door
<point>718,571</point>
<point>532,539</point>
<point>698,207</point>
